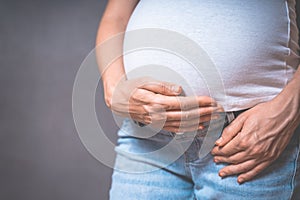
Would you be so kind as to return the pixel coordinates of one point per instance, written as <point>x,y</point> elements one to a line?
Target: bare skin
<point>145,100</point>
<point>258,136</point>
<point>249,144</point>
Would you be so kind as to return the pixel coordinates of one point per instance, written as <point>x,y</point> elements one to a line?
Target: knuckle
<point>135,96</point>
<point>252,122</point>
<point>147,119</point>
<point>226,131</point>
<point>164,88</point>
<point>243,144</point>
<point>273,156</point>
<point>243,168</point>
<point>255,171</point>
<point>241,118</point>
<point>164,105</point>
<point>239,122</point>
<point>167,106</point>
<point>256,150</point>
<point>146,109</point>
<point>157,99</point>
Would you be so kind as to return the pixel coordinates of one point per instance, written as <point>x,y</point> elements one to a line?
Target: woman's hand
<point>158,103</point>
<point>257,137</point>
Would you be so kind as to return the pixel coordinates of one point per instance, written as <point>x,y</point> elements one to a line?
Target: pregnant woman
<point>254,48</point>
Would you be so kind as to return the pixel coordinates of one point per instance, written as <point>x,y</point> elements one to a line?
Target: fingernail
<point>175,88</point>
<point>241,180</point>
<point>219,141</point>
<point>216,160</point>
<point>201,127</point>
<point>222,174</point>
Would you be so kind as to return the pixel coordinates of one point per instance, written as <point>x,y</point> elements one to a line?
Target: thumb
<point>231,131</point>
<point>164,88</point>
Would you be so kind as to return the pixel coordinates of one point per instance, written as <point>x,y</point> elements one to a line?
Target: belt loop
<point>230,117</point>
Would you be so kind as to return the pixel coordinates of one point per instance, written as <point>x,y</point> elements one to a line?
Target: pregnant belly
<point>247,42</point>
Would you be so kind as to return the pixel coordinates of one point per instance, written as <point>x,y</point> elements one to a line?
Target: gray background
<point>42,45</point>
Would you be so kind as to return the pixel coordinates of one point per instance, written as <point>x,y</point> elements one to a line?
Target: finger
<point>128,110</point>
<point>183,103</point>
<point>233,159</point>
<point>231,130</point>
<point>173,102</point>
<point>191,114</point>
<point>191,122</point>
<point>187,103</point>
<point>237,168</point>
<point>140,104</point>
<point>185,129</point>
<point>164,88</point>
<point>233,147</point>
<point>250,174</point>
<point>140,96</point>
<point>145,119</point>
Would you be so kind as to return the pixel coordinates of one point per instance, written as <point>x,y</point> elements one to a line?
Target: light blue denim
<point>190,177</point>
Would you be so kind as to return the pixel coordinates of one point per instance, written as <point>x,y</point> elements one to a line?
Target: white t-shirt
<point>253,44</point>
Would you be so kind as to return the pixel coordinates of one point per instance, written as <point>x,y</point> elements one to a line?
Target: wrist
<point>109,86</point>
<point>288,102</point>
<point>291,93</point>
<point>108,93</point>
<point>294,88</point>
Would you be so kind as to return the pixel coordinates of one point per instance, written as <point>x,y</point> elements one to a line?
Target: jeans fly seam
<point>187,166</point>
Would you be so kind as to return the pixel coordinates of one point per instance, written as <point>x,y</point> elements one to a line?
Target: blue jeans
<point>140,176</point>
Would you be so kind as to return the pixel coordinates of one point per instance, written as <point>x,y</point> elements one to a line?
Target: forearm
<point>109,54</point>
<point>289,99</point>
<point>109,43</point>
